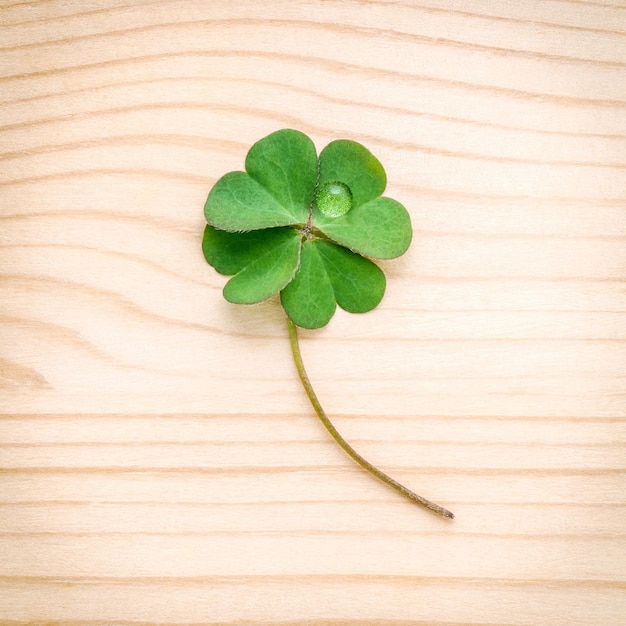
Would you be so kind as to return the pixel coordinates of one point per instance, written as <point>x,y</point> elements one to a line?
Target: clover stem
<point>352,453</point>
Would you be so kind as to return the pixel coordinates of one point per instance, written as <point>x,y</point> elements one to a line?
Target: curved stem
<point>306,383</point>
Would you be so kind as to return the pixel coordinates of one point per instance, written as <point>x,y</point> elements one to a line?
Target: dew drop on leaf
<point>333,199</point>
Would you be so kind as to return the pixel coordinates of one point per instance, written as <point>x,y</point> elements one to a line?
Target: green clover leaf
<point>308,228</point>
<point>305,227</point>
<point>330,274</point>
<point>263,261</point>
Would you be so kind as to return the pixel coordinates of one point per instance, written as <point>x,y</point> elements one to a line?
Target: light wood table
<point>160,462</point>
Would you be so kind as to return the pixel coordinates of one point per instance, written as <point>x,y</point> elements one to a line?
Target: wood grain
<point>159,461</point>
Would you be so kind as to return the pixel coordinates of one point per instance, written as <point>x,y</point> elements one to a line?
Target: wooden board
<point>160,462</point>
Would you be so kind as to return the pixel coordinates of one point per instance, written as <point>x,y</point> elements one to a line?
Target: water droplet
<point>333,199</point>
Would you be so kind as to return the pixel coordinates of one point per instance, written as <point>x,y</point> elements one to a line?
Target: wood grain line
<point>355,579</point>
<point>109,296</point>
<point>508,20</point>
<point>117,254</point>
<point>338,66</point>
<point>296,89</point>
<point>416,8</point>
<point>362,31</point>
<point>147,443</point>
<point>158,139</point>
<point>619,507</point>
<point>303,532</point>
<point>342,416</point>
<point>284,469</point>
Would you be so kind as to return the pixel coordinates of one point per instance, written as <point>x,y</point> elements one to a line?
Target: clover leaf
<point>306,209</point>
<point>308,228</point>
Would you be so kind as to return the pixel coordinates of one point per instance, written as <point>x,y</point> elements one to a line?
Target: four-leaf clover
<point>306,227</point>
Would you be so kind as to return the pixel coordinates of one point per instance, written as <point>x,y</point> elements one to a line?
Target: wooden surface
<point>160,463</point>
